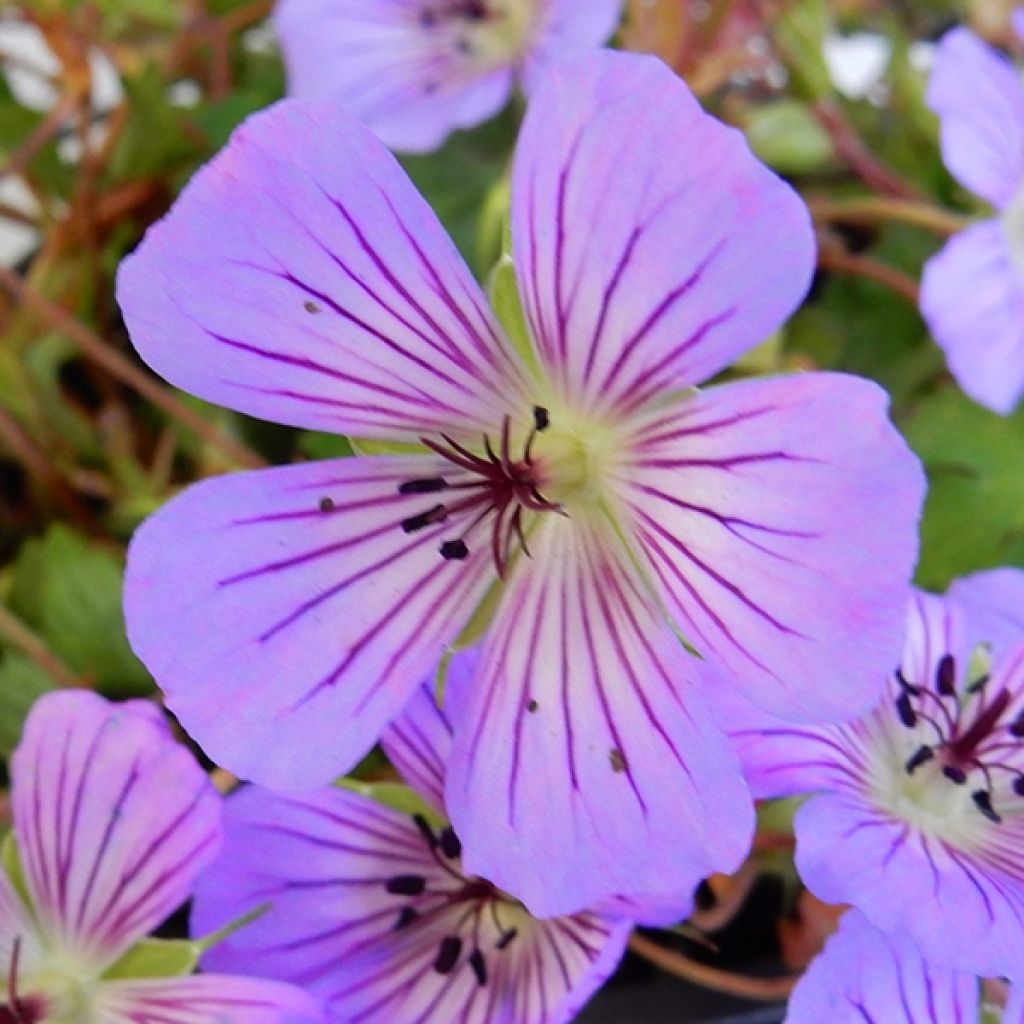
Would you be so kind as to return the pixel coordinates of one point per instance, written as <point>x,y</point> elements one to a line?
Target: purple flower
<point>567,489</point>
<point>112,820</point>
<point>919,821</point>
<point>373,910</point>
<point>973,290</point>
<point>865,976</point>
<point>416,70</point>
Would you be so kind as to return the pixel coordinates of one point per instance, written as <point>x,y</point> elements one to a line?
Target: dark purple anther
<point>406,885</point>
<point>983,801</point>
<point>451,846</point>
<point>921,756</point>
<point>945,676</point>
<point>448,954</point>
<point>905,710</point>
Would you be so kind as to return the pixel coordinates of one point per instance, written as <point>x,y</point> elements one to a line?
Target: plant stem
<point>882,209</point>
<point>742,986</point>
<point>15,632</point>
<point>863,266</point>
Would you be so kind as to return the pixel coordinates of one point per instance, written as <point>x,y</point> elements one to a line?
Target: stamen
<point>437,514</point>
<point>454,550</point>
<point>505,939</point>
<point>921,756</point>
<point>448,954</point>
<point>425,830</point>
<point>955,774</point>
<point>541,419</point>
<point>945,676</point>
<point>406,885</point>
<point>983,801</point>
<point>406,917</point>
<point>451,846</point>
<point>1018,785</point>
<point>1017,726</point>
<point>479,966</point>
<point>428,485</point>
<point>906,710</point>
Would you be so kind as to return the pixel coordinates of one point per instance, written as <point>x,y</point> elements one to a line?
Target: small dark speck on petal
<point>532,706</point>
<point>326,505</point>
<point>618,760</point>
<point>311,307</point>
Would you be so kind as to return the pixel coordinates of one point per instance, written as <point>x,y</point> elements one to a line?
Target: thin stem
<point>768,990</point>
<point>882,209</point>
<point>16,633</point>
<point>863,266</point>
<point>118,366</point>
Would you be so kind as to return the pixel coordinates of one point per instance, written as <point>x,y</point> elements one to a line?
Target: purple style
<point>565,488</point>
<point>373,910</point>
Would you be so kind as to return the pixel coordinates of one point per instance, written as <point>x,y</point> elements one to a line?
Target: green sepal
<point>503,290</point>
<point>395,795</point>
<point>371,446</point>
<point>157,958</point>
<point>10,861</point>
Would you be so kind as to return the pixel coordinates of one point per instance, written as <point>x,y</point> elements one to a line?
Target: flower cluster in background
<point>557,519</point>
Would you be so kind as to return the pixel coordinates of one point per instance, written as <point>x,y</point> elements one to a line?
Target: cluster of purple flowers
<point>589,611</point>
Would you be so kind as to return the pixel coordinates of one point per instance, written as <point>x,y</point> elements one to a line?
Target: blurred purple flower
<point>568,487</point>
<point>973,291</point>
<point>919,821</point>
<point>865,976</point>
<point>416,70</point>
<point>373,910</point>
<point>113,820</point>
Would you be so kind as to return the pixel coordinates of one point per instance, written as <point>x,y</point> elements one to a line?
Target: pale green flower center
<point>66,987</point>
<point>491,33</point>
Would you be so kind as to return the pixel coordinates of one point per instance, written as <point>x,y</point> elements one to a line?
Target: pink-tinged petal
<point>963,905</point>
<point>566,28</point>
<point>16,927</point>
<point>114,820</point>
<point>328,297</point>
<point>1014,1013</point>
<point>419,744</point>
<point>582,744</point>
<point>993,603</point>
<point>779,518</point>
<point>979,98</point>
<point>867,977</point>
<point>205,999</point>
<point>972,297</point>
<point>638,273</point>
<point>323,861</point>
<point>288,616</point>
<point>936,628</point>
<point>402,75</point>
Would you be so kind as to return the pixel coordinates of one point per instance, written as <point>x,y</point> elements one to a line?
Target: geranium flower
<point>865,976</point>
<point>919,817</point>
<point>373,910</point>
<point>416,70</point>
<point>973,291</point>
<point>113,820</point>
<point>568,491</point>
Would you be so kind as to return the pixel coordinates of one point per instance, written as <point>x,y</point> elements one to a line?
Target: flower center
<point>488,922</point>
<point>974,740</point>
<point>493,489</point>
<point>489,32</point>
<point>19,1009</point>
<point>57,992</point>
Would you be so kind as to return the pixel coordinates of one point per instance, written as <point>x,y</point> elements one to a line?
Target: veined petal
<point>979,98</point>
<point>323,861</point>
<point>581,743</point>
<point>867,977</point>
<point>288,616</point>
<point>567,27</point>
<point>961,901</point>
<point>936,627</point>
<point>113,818</point>
<point>993,602</point>
<point>972,297</point>
<point>779,519</point>
<point>205,999</point>
<point>328,297</point>
<point>402,75</point>
<point>16,926</point>
<point>1014,1013</point>
<point>641,274</point>
<point>419,744</point>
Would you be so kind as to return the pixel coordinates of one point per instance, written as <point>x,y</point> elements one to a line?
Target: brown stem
<point>113,362</point>
<point>863,266</point>
<point>768,990</point>
<point>40,135</point>
<point>852,150</point>
<point>224,781</point>
<point>881,210</point>
<point>16,633</point>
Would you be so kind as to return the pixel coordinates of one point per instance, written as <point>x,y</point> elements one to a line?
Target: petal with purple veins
<point>567,27</point>
<point>303,614</point>
<point>419,743</point>
<point>329,296</point>
<point>330,863</point>
<point>113,819</point>
<point>779,520</point>
<point>581,743</point>
<point>867,977</point>
<point>397,69</point>
<point>993,602</point>
<point>205,999</point>
<point>979,97</point>
<point>640,274</point>
<point>972,297</point>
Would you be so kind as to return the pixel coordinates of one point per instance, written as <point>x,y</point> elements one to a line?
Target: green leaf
<point>395,795</point>
<point>974,517</point>
<point>800,37</point>
<point>22,683</point>
<point>68,589</point>
<point>157,958</point>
